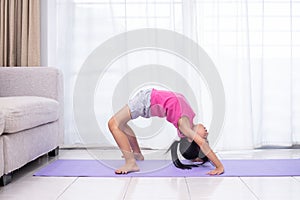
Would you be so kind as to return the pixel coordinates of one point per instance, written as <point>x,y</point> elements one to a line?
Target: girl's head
<point>189,150</point>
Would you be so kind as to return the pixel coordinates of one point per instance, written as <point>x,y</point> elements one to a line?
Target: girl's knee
<point>112,124</point>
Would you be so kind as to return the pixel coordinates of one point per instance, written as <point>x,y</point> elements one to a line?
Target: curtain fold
<point>20,33</point>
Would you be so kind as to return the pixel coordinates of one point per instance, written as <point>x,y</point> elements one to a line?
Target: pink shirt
<point>171,105</point>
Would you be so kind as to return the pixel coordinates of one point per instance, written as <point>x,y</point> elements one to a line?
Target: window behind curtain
<point>254,44</point>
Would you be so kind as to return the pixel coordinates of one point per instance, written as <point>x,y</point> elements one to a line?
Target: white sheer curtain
<point>254,45</point>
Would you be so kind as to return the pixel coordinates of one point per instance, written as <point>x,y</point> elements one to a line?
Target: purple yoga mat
<point>165,168</point>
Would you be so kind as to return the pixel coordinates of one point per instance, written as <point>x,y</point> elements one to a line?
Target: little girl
<point>176,109</point>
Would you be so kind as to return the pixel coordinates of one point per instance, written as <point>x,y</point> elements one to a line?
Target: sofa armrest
<point>34,81</point>
<point>31,81</point>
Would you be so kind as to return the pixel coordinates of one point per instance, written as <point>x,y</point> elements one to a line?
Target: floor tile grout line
<point>127,187</point>
<point>249,188</point>
<point>67,187</point>
<point>188,188</point>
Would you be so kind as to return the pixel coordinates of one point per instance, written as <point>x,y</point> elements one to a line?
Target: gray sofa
<point>31,116</point>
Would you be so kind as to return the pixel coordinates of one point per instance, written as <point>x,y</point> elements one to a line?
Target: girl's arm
<point>184,127</point>
<point>210,154</point>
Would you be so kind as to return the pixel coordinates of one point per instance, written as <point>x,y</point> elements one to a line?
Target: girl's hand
<point>217,171</point>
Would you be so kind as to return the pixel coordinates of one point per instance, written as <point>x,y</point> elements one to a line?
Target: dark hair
<point>189,150</point>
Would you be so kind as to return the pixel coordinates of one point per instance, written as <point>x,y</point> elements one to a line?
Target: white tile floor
<point>25,186</point>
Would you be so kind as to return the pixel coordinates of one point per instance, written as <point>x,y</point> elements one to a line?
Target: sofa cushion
<point>1,122</point>
<point>24,112</point>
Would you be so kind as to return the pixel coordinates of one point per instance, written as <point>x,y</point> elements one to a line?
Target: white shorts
<point>139,105</point>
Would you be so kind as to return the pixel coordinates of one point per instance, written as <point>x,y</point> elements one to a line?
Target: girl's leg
<point>115,125</point>
<point>133,142</point>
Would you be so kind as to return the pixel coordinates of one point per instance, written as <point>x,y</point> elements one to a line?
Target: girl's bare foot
<point>127,168</point>
<point>137,156</point>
